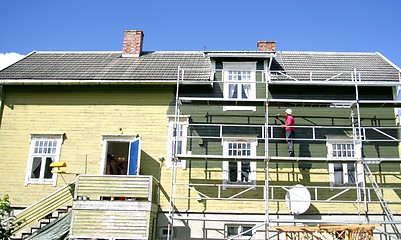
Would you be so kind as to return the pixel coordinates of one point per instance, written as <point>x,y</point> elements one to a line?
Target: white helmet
<point>288,111</point>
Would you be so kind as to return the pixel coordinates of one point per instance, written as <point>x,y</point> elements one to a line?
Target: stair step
<point>27,232</point>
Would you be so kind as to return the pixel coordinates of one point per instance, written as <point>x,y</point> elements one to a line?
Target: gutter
<point>96,82</point>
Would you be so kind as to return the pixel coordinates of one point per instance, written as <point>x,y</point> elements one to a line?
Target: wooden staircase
<point>103,206</point>
<point>43,212</point>
<point>28,232</point>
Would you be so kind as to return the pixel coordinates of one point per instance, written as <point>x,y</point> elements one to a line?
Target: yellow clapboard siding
<point>113,186</point>
<point>96,223</point>
<point>84,116</point>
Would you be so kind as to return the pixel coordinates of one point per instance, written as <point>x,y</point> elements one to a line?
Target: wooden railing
<point>114,207</point>
<point>95,187</point>
<point>43,207</point>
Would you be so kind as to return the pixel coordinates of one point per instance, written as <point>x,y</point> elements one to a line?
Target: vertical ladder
<point>383,203</point>
<point>357,134</point>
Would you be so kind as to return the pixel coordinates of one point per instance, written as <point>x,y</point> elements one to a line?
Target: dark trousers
<point>290,142</point>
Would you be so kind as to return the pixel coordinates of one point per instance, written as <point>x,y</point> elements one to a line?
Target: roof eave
<point>338,83</point>
<point>242,55</point>
<point>95,82</point>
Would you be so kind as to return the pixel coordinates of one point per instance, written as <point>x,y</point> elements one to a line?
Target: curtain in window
<point>246,91</point>
<point>245,171</point>
<point>233,172</point>
<point>36,165</point>
<point>351,173</point>
<point>232,90</point>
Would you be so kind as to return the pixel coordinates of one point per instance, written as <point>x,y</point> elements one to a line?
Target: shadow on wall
<point>150,166</point>
<point>153,167</point>
<point>312,214</point>
<point>180,232</point>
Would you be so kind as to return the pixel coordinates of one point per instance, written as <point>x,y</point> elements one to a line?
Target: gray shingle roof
<point>162,66</point>
<point>335,66</point>
<point>109,66</point>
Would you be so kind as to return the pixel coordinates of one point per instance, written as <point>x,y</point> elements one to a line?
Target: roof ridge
<point>201,52</point>
<point>332,52</point>
<point>78,51</point>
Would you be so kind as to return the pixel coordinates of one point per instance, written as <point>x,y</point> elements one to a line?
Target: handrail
<point>97,186</point>
<point>365,134</point>
<point>373,77</point>
<point>43,207</point>
<point>336,192</point>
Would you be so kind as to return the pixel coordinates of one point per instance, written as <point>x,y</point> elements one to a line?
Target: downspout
<point>2,97</point>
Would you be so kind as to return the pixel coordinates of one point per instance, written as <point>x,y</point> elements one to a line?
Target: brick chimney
<point>132,43</point>
<point>267,46</point>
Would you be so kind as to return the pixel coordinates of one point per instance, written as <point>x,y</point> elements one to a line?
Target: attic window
<point>239,83</point>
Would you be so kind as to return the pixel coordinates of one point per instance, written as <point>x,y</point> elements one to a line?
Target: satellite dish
<point>298,199</point>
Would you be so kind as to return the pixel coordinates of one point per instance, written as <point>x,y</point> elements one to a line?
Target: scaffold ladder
<point>383,203</point>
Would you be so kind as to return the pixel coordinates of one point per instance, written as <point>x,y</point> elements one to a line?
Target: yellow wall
<point>83,114</point>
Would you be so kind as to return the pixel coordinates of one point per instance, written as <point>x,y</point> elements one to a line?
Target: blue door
<point>134,157</point>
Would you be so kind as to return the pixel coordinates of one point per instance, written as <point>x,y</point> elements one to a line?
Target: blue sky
<point>309,25</point>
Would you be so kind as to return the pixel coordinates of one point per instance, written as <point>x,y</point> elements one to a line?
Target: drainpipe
<point>2,93</point>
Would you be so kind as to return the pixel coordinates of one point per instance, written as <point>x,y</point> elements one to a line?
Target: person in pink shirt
<point>289,126</point>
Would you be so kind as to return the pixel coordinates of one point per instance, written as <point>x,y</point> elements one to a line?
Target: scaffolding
<point>362,194</point>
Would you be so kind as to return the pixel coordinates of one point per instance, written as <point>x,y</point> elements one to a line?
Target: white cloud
<point>7,59</point>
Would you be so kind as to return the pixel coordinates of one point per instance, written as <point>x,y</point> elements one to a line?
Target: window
<point>343,173</point>
<point>177,142</point>
<point>121,155</point>
<point>239,171</point>
<point>343,150</point>
<point>239,83</point>
<point>163,232</point>
<point>236,89</point>
<point>44,149</point>
<point>233,230</point>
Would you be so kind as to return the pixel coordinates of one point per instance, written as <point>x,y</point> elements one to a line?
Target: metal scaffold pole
<point>266,162</point>
<point>170,232</point>
<point>358,141</point>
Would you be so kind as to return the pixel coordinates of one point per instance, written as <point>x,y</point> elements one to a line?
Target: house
<point>186,145</point>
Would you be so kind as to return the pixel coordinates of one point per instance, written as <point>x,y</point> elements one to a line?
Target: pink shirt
<point>289,122</point>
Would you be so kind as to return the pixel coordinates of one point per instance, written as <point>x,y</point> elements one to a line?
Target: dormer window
<point>239,83</point>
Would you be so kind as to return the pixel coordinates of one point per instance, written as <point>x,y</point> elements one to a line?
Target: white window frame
<point>252,164</point>
<point>35,151</point>
<point>232,69</point>
<point>344,149</point>
<point>239,229</point>
<point>112,138</point>
<point>163,232</point>
<point>183,122</point>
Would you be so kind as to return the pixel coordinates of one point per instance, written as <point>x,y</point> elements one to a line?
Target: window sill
<point>239,108</point>
<point>40,182</point>
<point>239,184</point>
